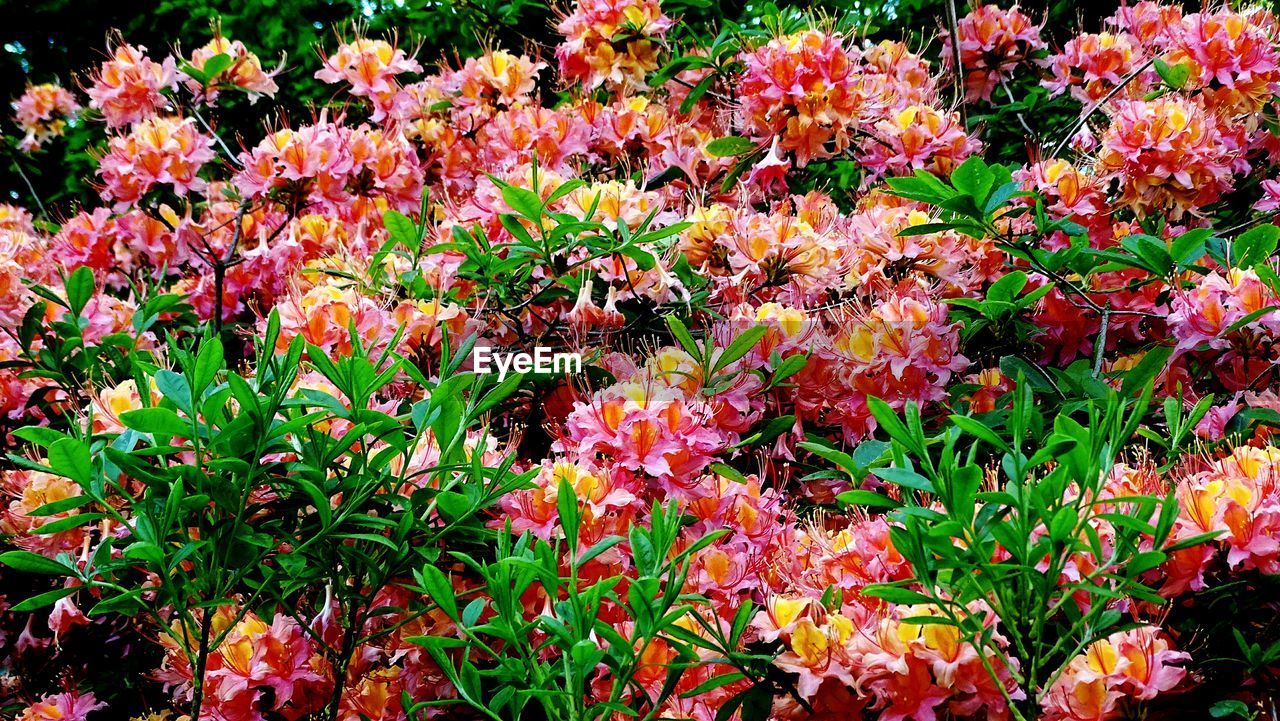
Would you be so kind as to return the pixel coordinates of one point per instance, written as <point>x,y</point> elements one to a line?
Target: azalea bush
<point>913,380</point>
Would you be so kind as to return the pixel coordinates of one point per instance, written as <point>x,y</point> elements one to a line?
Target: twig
<point>1101,347</point>
<point>30,188</point>
<point>231,157</point>
<point>953,25</point>
<point>220,267</point>
<point>1018,113</point>
<point>712,93</point>
<point>1075,128</point>
<point>1248,223</point>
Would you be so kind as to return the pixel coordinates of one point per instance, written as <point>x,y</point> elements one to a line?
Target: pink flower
<point>805,90</point>
<point>917,138</point>
<point>130,86</point>
<point>1168,155</point>
<point>245,71</point>
<point>70,706</point>
<point>993,42</point>
<point>370,67</point>
<point>159,150</point>
<point>1270,199</point>
<point>1137,663</point>
<point>1214,424</point>
<point>43,112</point>
<point>1091,65</point>
<point>612,42</point>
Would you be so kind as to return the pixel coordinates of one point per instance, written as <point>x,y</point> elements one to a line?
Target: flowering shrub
<point>870,421</point>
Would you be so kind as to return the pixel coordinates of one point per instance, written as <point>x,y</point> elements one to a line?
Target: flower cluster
<point>157,151</point>
<point>744,256</point>
<point>813,94</point>
<point>611,41</point>
<point>1137,664</point>
<point>42,112</point>
<point>370,68</point>
<point>1168,154</point>
<point>992,42</point>
<point>129,86</point>
<point>244,70</point>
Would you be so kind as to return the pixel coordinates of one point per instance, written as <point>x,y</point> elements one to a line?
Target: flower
<point>803,90</point>
<point>1137,664</point>
<point>370,68</point>
<point>130,87</point>
<point>992,43</point>
<point>918,137</point>
<point>1093,64</point>
<point>70,706</point>
<point>158,150</point>
<point>612,42</point>
<point>244,71</point>
<point>1167,154</point>
<point>42,112</point>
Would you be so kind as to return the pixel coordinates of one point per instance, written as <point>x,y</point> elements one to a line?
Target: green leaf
<point>740,346</point>
<point>1229,708</point>
<point>174,387</point>
<point>1255,246</point>
<point>80,286</point>
<point>401,229</point>
<point>713,683</point>
<point>727,471</point>
<point>66,524</point>
<point>1175,76</point>
<point>891,423</point>
<point>1190,246</point>
<point>1251,317</point>
<point>869,451</point>
<point>789,366</point>
<point>600,547</point>
<point>39,435</point>
<point>977,429</point>
<point>1007,287</point>
<point>208,363</point>
<point>906,478</point>
<point>684,337</point>
<point>923,187</point>
<point>156,421</point>
<point>696,93</point>
<point>975,178</point>
<point>70,458</point>
<point>824,451</point>
<point>215,65</point>
<point>1145,370</point>
<point>730,146</point>
<point>1013,367</point>
<point>59,506</point>
<point>897,595</point>
<point>47,598</point>
<point>28,562</point>
<point>867,498</point>
<point>522,200</point>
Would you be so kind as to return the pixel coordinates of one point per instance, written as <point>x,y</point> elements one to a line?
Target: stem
<point>953,26</point>
<point>30,188</point>
<point>220,266</point>
<point>231,157</point>
<point>1101,347</point>
<point>1031,134</point>
<point>202,657</point>
<point>341,663</point>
